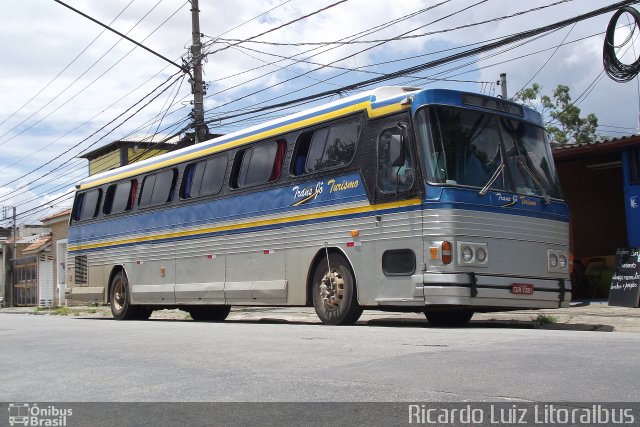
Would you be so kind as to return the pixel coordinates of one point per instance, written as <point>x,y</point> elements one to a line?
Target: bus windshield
<point>487,151</point>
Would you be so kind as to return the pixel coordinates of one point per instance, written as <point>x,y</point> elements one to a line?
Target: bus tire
<point>210,313</point>
<point>449,318</point>
<point>143,313</point>
<point>120,299</point>
<point>337,303</point>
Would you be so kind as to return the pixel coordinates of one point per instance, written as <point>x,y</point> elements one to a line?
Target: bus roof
<point>376,102</point>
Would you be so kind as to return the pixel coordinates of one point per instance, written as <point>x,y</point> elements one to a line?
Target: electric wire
<point>616,69</point>
<point>85,87</point>
<point>402,37</point>
<point>65,68</point>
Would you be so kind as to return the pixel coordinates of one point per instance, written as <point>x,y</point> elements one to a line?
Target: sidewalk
<point>597,316</point>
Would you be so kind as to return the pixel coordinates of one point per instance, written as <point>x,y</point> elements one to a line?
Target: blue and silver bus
<point>434,201</point>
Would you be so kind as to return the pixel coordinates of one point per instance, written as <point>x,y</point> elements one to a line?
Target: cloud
<point>34,54</point>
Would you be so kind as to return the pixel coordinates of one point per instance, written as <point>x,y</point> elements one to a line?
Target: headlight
<point>472,254</point>
<point>562,261</point>
<point>467,254</point>
<point>553,260</point>
<point>481,255</point>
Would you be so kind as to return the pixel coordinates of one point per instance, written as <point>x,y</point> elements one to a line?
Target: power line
<point>286,24</point>
<point>484,48</point>
<point>545,63</point>
<point>84,88</point>
<point>403,37</point>
<point>94,133</point>
<point>181,67</point>
<point>350,56</point>
<point>65,68</point>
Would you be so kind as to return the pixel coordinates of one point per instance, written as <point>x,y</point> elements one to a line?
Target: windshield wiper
<point>493,178</point>
<point>525,168</point>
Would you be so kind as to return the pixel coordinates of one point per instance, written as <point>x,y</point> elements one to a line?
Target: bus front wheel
<point>335,297</point>
<point>120,299</point>
<point>449,318</point>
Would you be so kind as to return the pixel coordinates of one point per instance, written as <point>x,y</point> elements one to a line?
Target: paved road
<point>52,358</point>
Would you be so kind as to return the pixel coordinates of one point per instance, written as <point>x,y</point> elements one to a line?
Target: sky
<point>67,86</point>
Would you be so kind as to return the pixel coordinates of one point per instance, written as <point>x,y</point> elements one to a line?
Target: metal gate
<point>25,289</point>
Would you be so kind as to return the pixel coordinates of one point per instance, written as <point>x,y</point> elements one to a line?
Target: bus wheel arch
<point>334,294</point>
<point>119,295</point>
<point>115,270</point>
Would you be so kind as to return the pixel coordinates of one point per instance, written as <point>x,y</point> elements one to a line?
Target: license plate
<point>522,289</point>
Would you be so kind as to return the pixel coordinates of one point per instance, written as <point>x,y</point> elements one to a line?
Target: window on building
<point>120,197</point>
<point>259,164</point>
<point>158,188</point>
<point>203,178</point>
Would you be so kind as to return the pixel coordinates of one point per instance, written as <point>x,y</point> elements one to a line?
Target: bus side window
<point>120,197</point>
<point>300,156</point>
<point>164,186</point>
<point>87,205</point>
<point>157,188</point>
<point>78,206</point>
<point>333,147</point>
<point>204,177</point>
<point>259,164</point>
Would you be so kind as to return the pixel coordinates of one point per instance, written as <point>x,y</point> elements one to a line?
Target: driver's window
<point>395,163</point>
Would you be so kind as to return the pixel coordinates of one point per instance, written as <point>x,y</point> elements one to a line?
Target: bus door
<point>398,223</point>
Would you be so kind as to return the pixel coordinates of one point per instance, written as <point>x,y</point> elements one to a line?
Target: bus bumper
<point>486,291</point>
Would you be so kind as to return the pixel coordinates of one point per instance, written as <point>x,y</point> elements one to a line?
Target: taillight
<point>447,251</point>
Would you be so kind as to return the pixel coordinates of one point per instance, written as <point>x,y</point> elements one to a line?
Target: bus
<point>399,199</point>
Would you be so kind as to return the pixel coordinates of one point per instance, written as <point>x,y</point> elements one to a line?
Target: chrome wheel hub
<point>332,290</point>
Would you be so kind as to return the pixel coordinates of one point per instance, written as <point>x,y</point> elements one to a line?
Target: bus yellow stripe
<point>251,224</point>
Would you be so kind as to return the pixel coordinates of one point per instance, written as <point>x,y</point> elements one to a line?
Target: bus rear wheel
<point>335,296</point>
<point>449,318</point>
<point>120,299</point>
<point>216,313</point>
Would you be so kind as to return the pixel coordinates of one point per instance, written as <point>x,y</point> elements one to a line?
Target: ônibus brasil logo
<point>26,414</point>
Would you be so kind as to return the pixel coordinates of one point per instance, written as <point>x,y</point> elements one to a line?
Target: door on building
<point>61,270</point>
<point>631,168</point>
<point>45,280</point>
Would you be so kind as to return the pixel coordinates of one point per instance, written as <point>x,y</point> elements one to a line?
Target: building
<point>134,149</point>
<point>124,152</point>
<point>601,183</point>
<point>40,263</point>
<point>59,225</point>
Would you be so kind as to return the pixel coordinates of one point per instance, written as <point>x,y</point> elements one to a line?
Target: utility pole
<point>15,255</point>
<point>503,85</point>
<point>9,289</point>
<point>197,88</point>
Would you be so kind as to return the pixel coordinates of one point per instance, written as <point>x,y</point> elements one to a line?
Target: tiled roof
<point>37,245</point>
<point>614,144</point>
<point>62,213</point>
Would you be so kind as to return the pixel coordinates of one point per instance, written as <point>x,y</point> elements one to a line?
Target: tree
<point>565,124</point>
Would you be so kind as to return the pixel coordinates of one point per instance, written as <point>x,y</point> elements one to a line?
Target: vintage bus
<point>433,201</point>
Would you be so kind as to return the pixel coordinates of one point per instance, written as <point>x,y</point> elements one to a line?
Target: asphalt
<point>581,316</point>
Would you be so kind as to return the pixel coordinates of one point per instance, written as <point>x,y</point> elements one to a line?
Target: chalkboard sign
<point>625,283</point>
